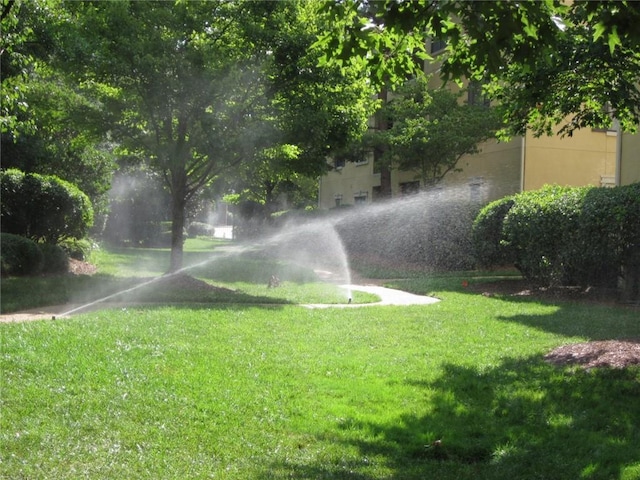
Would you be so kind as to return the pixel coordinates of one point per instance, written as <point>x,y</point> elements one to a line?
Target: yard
<point>466,388</point>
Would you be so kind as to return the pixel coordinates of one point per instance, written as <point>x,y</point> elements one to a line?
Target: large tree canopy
<point>550,63</point>
<point>192,93</point>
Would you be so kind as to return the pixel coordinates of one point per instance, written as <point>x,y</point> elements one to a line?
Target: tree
<point>189,84</point>
<point>312,113</point>
<point>183,82</point>
<point>576,64</point>
<point>51,125</point>
<point>430,131</point>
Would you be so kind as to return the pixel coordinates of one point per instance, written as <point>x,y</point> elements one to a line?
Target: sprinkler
<point>53,317</point>
<point>349,300</point>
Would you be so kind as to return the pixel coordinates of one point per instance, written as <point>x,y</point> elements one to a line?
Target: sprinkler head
<point>53,317</point>
<point>349,300</point>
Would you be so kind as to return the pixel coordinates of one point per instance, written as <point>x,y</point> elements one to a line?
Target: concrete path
<point>388,296</point>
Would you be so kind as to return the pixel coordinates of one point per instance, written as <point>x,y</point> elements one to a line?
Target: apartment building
<point>589,157</point>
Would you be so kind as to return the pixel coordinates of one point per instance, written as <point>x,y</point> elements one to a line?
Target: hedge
<point>19,255</point>
<point>565,235</point>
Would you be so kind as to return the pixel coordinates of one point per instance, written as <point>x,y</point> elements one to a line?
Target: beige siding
<point>347,183</point>
<point>496,169</point>
<point>586,158</point>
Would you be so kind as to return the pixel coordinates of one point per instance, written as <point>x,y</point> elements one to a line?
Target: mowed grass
<point>454,390</point>
<point>136,275</point>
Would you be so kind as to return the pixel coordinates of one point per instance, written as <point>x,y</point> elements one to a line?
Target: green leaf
<point>614,39</point>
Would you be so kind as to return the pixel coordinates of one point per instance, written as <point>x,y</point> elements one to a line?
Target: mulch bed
<point>607,353</point>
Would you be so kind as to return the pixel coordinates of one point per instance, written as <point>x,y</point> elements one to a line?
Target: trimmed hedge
<point>565,235</point>
<point>19,255</point>
<point>541,232</point>
<point>22,256</point>
<point>55,259</point>
<point>486,235</point>
<point>43,207</point>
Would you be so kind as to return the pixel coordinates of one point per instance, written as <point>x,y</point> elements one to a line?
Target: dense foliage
<point>430,130</point>
<point>50,123</point>
<point>43,207</point>
<point>20,256</point>
<point>565,236</point>
<point>487,234</point>
<point>573,64</point>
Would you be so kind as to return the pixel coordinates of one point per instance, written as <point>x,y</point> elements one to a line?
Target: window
<point>338,199</point>
<point>360,198</point>
<point>338,163</point>
<point>437,45</point>
<point>475,96</point>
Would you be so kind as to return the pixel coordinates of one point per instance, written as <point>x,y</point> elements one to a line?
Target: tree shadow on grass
<point>27,293</point>
<point>595,322</point>
<point>522,419</point>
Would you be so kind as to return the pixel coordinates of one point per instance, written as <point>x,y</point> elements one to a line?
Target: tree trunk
<point>178,204</point>
<point>382,124</point>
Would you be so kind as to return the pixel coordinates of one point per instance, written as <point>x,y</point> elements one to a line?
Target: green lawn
<point>281,391</point>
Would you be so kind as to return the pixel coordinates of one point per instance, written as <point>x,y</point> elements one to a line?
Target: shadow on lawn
<point>34,292</point>
<point>591,321</point>
<point>522,419</point>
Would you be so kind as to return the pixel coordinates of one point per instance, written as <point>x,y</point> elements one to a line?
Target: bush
<point>43,207</point>
<point>20,256</point>
<point>610,233</point>
<point>427,232</point>
<point>79,249</point>
<point>487,235</point>
<point>564,235</point>
<point>540,229</point>
<point>55,259</point>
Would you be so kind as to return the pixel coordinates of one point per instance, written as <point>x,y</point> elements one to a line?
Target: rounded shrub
<point>610,238</point>
<point>55,259</point>
<point>487,235</point>
<point>540,230</point>
<point>20,255</point>
<point>43,207</point>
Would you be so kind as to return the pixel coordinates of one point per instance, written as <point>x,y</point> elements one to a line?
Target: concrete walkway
<point>388,296</point>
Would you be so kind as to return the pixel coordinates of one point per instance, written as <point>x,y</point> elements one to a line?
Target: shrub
<point>55,259</point>
<point>429,232</point>
<point>610,237</point>
<point>20,255</point>
<point>540,229</point>
<point>79,249</point>
<point>43,207</point>
<point>563,235</point>
<point>487,235</point>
